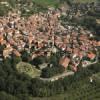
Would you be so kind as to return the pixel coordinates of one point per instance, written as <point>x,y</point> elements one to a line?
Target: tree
<point>39,60</point>
<point>2,48</point>
<point>53,60</point>
<point>52,71</point>
<point>5,96</point>
<point>12,3</point>
<point>7,66</point>
<point>2,84</point>
<point>24,97</point>
<point>15,60</point>
<point>2,72</point>
<point>95,68</point>
<point>21,87</point>
<point>88,22</point>
<point>10,84</point>
<point>25,56</point>
<point>3,10</point>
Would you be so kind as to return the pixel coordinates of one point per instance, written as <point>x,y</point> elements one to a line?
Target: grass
<point>97,76</point>
<point>28,69</point>
<point>51,3</point>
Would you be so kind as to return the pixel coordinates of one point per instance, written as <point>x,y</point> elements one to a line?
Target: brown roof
<point>91,55</point>
<point>98,43</point>
<point>16,53</point>
<point>64,61</point>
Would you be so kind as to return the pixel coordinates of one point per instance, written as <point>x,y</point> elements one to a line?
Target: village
<point>44,35</point>
<point>49,49</point>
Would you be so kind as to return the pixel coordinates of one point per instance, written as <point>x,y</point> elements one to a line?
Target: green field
<point>51,3</point>
<point>85,1</point>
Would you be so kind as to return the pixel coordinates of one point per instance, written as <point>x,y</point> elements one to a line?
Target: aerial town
<point>49,53</point>
<point>38,32</point>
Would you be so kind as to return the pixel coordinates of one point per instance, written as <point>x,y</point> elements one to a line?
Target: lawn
<point>28,69</point>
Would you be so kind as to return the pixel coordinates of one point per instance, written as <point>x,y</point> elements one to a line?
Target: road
<point>54,78</point>
<point>90,63</point>
<point>66,73</point>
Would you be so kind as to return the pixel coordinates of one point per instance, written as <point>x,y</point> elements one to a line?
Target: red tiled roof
<point>91,55</point>
<point>64,61</point>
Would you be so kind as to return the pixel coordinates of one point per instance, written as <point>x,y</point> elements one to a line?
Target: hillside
<point>52,3</point>
<point>49,50</point>
<point>27,7</point>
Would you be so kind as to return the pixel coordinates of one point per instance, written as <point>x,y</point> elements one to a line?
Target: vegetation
<point>5,96</point>
<point>26,68</point>
<point>87,21</point>
<point>4,9</point>
<point>39,60</point>
<point>22,86</point>
<point>52,71</point>
<point>27,7</point>
<point>83,90</point>
<point>84,1</point>
<point>17,76</point>
<point>94,13</point>
<point>25,56</point>
<point>48,3</point>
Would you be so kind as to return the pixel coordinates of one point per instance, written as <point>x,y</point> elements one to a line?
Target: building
<point>64,61</point>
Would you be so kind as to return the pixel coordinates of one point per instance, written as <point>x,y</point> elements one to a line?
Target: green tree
<point>39,60</point>
<point>2,48</point>
<point>25,56</point>
<point>15,60</point>
<point>3,10</point>
<point>53,60</point>
<point>2,84</point>
<point>12,3</point>
<point>10,84</point>
<point>7,66</point>
<point>88,22</point>
<point>5,96</point>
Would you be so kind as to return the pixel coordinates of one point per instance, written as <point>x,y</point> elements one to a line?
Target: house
<point>17,53</point>
<point>74,68</point>
<point>64,61</point>
<point>1,38</point>
<point>98,43</point>
<point>91,55</point>
<point>7,52</point>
